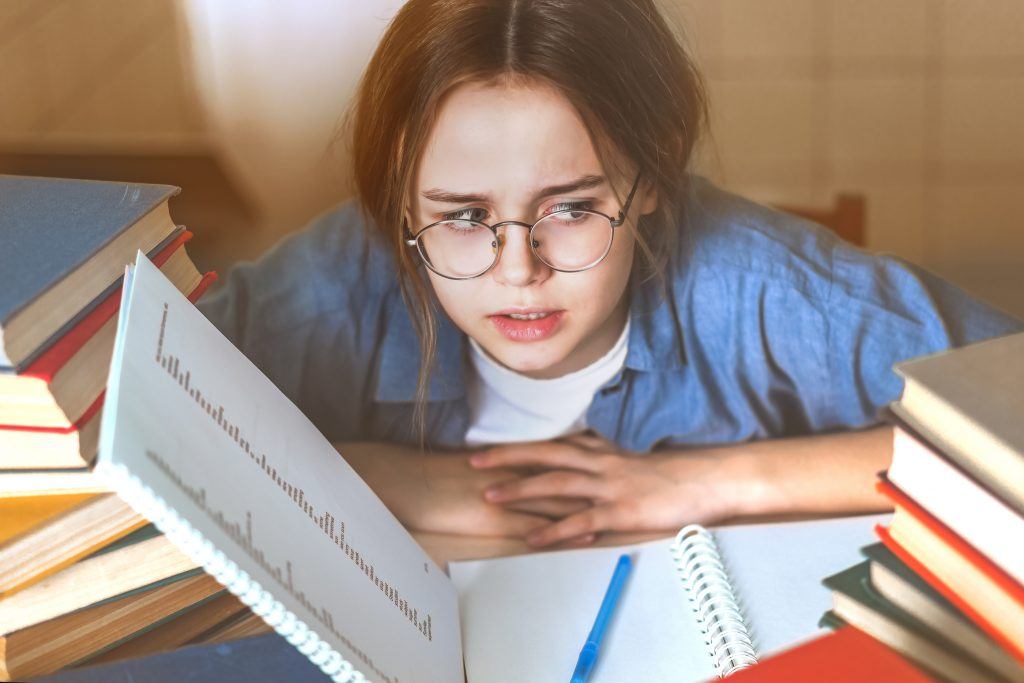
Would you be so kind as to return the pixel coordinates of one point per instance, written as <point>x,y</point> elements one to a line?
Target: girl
<point>534,321</point>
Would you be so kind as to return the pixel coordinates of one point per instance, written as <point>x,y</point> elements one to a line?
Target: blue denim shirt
<point>770,326</point>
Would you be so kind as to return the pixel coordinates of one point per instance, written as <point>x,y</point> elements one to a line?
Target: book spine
<point>191,542</point>
<point>50,361</point>
<point>713,600</point>
<point>197,293</point>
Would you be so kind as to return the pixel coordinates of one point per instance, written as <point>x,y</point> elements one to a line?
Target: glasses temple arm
<point>629,200</point>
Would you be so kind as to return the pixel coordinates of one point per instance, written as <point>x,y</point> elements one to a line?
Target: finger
<point>547,454</point>
<point>591,521</point>
<point>560,484</point>
<point>552,508</point>
<point>516,524</point>
<point>588,440</point>
<point>577,542</point>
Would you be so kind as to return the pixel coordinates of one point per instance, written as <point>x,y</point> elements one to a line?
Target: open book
<point>198,440</point>
<point>699,605</point>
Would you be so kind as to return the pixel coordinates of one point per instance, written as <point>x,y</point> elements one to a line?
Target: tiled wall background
<point>918,104</point>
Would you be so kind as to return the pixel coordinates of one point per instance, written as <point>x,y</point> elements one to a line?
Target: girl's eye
<point>571,206</point>
<point>472,214</point>
<point>479,215</point>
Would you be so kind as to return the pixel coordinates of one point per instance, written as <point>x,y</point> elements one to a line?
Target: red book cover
<point>1004,581</point>
<point>53,359</point>
<point>845,656</point>
<point>94,407</point>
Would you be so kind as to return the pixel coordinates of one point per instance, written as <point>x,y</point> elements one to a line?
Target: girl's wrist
<point>732,481</point>
<point>750,482</point>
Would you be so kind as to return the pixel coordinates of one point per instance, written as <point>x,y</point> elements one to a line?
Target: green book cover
<point>143,533</point>
<point>831,620</point>
<point>881,555</point>
<point>855,583</point>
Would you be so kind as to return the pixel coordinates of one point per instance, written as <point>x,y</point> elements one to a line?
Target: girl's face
<point>501,148</point>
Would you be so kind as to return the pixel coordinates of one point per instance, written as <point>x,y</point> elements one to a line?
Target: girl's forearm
<point>828,473</point>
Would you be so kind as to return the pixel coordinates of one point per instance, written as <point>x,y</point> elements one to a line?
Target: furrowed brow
<point>586,182</point>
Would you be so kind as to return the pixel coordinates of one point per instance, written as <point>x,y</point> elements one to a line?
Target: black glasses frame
<point>499,241</point>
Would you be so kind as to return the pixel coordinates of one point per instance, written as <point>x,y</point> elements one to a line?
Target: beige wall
<point>275,82</point>
<point>916,103</point>
<point>84,73</point>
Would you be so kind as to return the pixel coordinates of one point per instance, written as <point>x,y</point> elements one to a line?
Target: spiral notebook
<point>701,605</point>
<point>198,440</point>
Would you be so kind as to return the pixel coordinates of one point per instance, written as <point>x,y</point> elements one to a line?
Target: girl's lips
<point>527,330</point>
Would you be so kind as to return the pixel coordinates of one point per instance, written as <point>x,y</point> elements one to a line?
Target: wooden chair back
<point>845,217</point>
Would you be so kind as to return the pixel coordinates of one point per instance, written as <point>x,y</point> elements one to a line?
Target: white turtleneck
<point>507,407</point>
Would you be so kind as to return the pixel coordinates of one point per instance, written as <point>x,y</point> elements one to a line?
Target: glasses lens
<point>573,240</point>
<point>458,248</point>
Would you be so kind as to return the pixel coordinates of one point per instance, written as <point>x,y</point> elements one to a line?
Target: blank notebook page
<point>525,618</point>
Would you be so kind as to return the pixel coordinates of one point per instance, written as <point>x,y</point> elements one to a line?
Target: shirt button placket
<point>605,410</point>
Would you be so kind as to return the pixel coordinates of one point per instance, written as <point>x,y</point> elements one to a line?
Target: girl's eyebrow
<point>586,182</point>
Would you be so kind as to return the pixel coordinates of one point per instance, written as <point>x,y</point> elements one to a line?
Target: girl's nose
<point>517,265</point>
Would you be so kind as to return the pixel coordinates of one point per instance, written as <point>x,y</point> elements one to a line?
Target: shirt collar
<point>655,344</point>
<point>655,335</point>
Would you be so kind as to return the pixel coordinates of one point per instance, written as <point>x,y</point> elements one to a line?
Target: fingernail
<point>476,460</point>
<point>492,494</point>
<point>534,539</point>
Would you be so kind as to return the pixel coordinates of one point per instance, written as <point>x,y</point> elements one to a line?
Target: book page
<point>198,424</point>
<point>525,618</point>
<point>776,572</point>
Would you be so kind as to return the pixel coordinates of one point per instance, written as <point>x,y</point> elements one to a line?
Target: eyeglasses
<point>568,241</point>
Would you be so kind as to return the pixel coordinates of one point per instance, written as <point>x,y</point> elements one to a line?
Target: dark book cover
<point>51,226</point>
<point>878,553</point>
<point>855,584</point>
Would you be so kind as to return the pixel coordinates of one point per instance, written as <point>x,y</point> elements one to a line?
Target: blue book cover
<point>50,227</point>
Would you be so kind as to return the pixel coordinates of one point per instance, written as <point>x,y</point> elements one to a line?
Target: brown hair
<point>617,61</point>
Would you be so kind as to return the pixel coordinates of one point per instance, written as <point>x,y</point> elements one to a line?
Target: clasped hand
<point>584,485</point>
<point>562,492</point>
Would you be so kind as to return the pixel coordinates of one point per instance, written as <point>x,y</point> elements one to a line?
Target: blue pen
<point>588,655</point>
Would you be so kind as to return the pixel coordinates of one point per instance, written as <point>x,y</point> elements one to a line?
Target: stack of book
<point>82,576</point>
<point>946,584</point>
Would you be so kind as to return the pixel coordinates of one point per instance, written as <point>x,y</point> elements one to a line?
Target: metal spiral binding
<point>701,570</point>
<point>191,542</point>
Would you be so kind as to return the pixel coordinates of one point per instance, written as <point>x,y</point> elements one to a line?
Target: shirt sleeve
<point>881,310</point>
<point>306,315</point>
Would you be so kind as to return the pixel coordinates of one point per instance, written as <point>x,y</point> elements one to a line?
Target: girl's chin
<point>534,361</point>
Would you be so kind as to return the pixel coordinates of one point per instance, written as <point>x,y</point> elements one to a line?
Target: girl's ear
<point>648,198</point>
<point>407,220</point>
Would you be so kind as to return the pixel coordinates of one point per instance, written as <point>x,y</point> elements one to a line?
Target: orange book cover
<point>23,513</point>
<point>1013,590</point>
<point>844,656</point>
